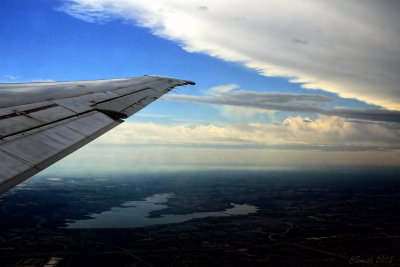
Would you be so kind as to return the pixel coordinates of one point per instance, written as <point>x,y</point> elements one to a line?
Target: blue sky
<point>229,50</point>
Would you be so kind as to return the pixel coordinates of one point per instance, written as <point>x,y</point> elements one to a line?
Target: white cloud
<point>217,90</point>
<point>348,47</point>
<point>325,133</point>
<point>298,142</point>
<point>10,77</point>
<point>111,159</point>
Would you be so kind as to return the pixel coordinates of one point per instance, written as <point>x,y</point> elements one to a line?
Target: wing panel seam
<point>18,158</point>
<point>46,124</point>
<point>21,113</point>
<point>114,98</point>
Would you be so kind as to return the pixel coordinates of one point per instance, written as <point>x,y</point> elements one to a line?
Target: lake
<point>134,214</point>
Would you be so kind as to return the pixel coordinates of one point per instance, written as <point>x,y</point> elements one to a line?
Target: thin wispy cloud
<point>10,77</point>
<point>351,48</point>
<point>305,103</point>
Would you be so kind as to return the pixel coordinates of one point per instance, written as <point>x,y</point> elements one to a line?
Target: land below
<point>309,218</point>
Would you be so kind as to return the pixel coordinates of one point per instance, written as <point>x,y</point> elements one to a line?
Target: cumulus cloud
<point>308,103</point>
<point>348,47</point>
<point>295,133</point>
<point>297,142</point>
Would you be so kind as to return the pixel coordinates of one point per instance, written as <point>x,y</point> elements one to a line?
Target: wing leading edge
<point>40,123</point>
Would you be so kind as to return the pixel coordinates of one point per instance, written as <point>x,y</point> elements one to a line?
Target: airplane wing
<point>40,123</point>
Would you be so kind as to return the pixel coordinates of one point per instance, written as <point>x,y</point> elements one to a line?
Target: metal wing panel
<point>84,103</point>
<point>19,118</point>
<point>26,93</point>
<point>93,123</point>
<point>10,166</point>
<point>16,124</point>
<point>22,108</point>
<point>21,158</point>
<point>121,91</point>
<point>13,171</point>
<point>138,105</point>
<point>124,102</point>
<point>38,147</point>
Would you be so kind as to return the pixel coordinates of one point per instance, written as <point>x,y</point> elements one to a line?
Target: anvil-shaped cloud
<point>348,47</point>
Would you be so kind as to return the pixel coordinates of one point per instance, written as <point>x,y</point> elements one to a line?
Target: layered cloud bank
<point>305,103</point>
<point>295,133</point>
<point>296,143</point>
<point>348,47</point>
